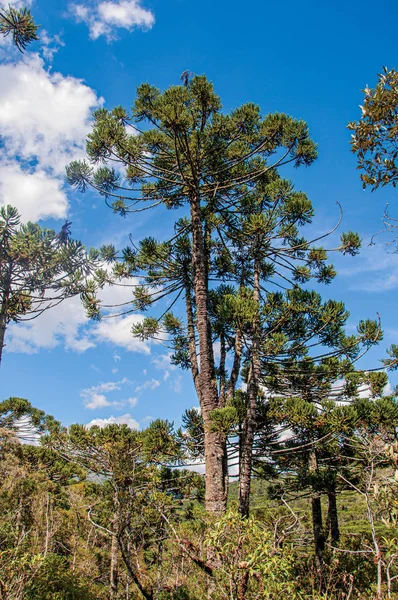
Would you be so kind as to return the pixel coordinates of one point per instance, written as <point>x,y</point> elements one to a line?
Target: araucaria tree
<point>179,151</point>
<point>20,25</point>
<point>375,135</point>
<point>38,269</point>
<point>374,139</point>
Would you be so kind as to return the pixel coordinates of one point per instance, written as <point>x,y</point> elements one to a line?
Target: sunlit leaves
<point>20,25</point>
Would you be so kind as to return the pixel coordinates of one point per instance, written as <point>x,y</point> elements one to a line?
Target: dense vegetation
<point>309,437</point>
<point>101,513</point>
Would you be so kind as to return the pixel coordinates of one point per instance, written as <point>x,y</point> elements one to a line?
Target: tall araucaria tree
<point>179,151</point>
<point>39,268</point>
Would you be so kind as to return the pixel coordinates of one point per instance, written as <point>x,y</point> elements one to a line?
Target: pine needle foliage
<point>19,24</point>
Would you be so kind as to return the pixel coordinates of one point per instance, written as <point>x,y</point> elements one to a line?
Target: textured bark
<point>333,517</point>
<point>319,542</point>
<point>316,509</point>
<point>114,573</point>
<point>3,320</point>
<point>215,442</point>
<point>249,425</point>
<point>191,337</point>
<point>222,371</point>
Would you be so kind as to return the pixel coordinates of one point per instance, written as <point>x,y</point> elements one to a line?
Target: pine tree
<point>20,25</point>
<point>306,389</point>
<point>196,158</point>
<point>38,269</point>
<point>27,422</point>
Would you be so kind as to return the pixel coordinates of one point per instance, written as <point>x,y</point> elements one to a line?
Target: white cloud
<point>67,325</point>
<point>104,18</point>
<point>96,401</point>
<point>50,44</point>
<point>44,121</point>
<point>35,194</point>
<point>126,419</point>
<point>63,324</point>
<point>133,401</point>
<point>16,3</point>
<point>94,397</point>
<point>117,330</point>
<point>147,385</point>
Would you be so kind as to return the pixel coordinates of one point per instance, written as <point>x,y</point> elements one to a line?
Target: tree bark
<point>191,336</point>
<point>316,510</point>
<point>333,518</point>
<point>249,425</point>
<point>214,442</point>
<point>222,371</point>
<point>114,571</point>
<point>3,323</point>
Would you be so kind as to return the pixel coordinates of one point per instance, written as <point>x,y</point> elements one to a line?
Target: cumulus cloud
<point>94,396</point>
<point>104,18</point>
<point>36,194</point>
<point>117,330</point>
<point>126,419</point>
<point>67,325</point>
<point>44,121</point>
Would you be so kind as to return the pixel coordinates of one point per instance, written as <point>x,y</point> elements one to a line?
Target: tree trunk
<point>319,542</point>
<point>249,425</point>
<point>4,306</point>
<point>316,509</point>
<point>214,442</point>
<point>3,325</point>
<point>333,518</point>
<point>114,571</point>
<point>191,336</point>
<point>222,371</point>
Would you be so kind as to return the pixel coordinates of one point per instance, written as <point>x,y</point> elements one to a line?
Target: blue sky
<point>308,59</point>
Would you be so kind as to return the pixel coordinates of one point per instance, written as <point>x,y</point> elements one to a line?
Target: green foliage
<point>18,415</point>
<point>20,25</point>
<point>243,547</point>
<point>38,268</point>
<point>374,138</point>
<point>223,419</point>
<point>56,581</point>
